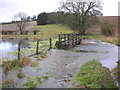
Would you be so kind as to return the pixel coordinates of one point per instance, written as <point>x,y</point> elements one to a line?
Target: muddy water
<point>61,66</point>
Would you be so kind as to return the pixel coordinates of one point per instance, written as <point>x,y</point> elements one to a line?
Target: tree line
<point>77,14</point>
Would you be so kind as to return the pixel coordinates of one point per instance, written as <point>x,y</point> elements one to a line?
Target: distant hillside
<point>95,28</point>
<point>13,27</point>
<point>111,19</point>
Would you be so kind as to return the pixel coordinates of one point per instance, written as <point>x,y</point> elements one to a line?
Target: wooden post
<point>59,38</point>
<point>68,35</point>
<point>72,39</point>
<point>76,39</point>
<point>50,43</point>
<point>65,37</point>
<point>37,47</point>
<point>19,48</point>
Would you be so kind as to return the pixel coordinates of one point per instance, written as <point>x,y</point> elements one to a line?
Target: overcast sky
<point>8,8</point>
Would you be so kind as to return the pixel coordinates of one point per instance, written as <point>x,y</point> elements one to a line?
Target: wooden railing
<point>67,41</point>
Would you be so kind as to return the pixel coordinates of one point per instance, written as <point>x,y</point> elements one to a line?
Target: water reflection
<point>7,46</point>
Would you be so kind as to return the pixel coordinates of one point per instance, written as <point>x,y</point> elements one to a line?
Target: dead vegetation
<point>15,64</point>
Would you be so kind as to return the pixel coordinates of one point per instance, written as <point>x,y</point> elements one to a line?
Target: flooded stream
<point>62,65</point>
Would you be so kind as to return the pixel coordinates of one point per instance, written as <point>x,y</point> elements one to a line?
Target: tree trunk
<point>21,32</point>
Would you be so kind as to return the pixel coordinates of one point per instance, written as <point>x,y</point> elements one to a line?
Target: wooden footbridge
<point>67,41</point>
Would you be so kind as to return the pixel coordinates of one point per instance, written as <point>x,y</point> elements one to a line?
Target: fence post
<point>76,39</point>
<point>19,48</point>
<point>59,38</point>
<point>72,36</point>
<point>68,37</point>
<point>50,43</point>
<point>37,47</point>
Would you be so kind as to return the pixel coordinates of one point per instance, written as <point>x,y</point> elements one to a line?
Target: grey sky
<point>8,8</point>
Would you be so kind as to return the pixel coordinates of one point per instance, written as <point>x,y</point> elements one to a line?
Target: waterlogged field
<point>58,68</point>
<point>43,46</point>
<point>14,67</point>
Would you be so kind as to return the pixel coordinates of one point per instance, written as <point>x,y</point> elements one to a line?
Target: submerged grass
<point>34,64</point>
<point>43,46</point>
<point>33,82</point>
<point>94,75</point>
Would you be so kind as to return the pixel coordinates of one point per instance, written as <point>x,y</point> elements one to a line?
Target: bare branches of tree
<point>82,11</point>
<point>20,20</point>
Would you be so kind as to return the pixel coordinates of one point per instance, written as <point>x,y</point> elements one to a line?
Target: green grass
<point>94,75</point>
<point>116,72</point>
<point>92,36</point>
<point>45,32</point>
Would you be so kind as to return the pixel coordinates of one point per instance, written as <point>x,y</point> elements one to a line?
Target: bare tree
<point>82,11</point>
<point>20,20</point>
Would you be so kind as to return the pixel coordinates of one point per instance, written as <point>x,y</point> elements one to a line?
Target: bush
<point>107,28</point>
<point>42,19</point>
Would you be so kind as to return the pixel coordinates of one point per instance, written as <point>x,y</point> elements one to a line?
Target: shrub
<point>42,19</point>
<point>107,28</point>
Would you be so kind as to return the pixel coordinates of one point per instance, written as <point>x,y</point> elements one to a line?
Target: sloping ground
<point>95,28</point>
<point>13,27</point>
<point>51,30</point>
<point>111,19</point>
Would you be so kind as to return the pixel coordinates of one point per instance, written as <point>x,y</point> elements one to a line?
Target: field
<point>44,32</point>
<point>47,31</point>
<point>111,19</point>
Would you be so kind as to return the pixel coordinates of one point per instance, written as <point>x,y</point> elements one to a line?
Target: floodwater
<point>7,46</point>
<point>62,65</point>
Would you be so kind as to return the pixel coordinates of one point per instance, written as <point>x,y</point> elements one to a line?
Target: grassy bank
<point>112,40</point>
<point>116,72</point>
<point>94,75</point>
